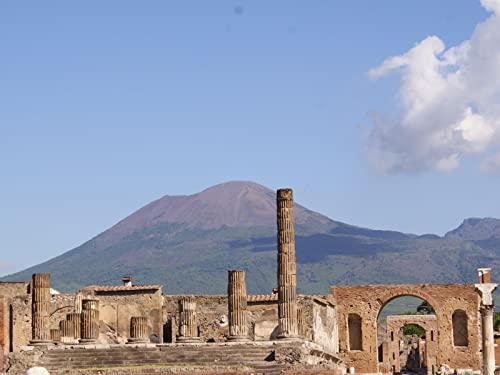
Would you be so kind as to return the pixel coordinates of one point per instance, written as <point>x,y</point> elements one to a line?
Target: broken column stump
<point>237,306</point>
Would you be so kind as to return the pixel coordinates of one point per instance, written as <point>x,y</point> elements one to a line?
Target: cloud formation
<point>449,102</point>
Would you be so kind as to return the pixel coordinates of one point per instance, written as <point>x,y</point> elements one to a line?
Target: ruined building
<point>138,329</point>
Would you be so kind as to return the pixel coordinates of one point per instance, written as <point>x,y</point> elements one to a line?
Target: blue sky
<point>105,106</point>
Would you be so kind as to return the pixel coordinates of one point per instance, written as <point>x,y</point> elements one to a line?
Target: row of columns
<point>83,324</point>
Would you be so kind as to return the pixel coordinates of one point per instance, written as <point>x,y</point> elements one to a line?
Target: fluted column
<point>55,335</point>
<point>237,305</point>
<point>66,329</point>
<point>89,321</point>
<point>78,303</point>
<point>75,323</point>
<point>188,324</point>
<point>40,309</point>
<point>287,274</point>
<point>485,288</point>
<point>488,339</point>
<point>138,330</point>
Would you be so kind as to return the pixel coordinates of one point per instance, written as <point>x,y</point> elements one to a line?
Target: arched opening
<point>404,326</point>
<point>460,331</point>
<point>354,325</point>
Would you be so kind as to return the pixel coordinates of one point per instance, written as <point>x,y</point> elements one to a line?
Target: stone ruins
<point>137,329</point>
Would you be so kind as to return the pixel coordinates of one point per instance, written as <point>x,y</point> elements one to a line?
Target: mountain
<point>475,229</point>
<point>187,243</point>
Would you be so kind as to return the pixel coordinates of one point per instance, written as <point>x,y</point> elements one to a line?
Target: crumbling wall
<point>117,307</point>
<point>367,301</point>
<point>10,291</point>
<point>324,324</point>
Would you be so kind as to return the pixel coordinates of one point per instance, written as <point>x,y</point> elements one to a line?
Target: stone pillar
<point>66,329</point>
<point>75,323</point>
<point>40,309</point>
<point>485,289</point>
<point>55,335</point>
<point>138,330</point>
<point>78,303</point>
<point>188,324</point>
<point>287,274</point>
<point>237,306</point>
<point>89,321</point>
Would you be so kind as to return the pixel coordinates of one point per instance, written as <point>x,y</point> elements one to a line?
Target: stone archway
<point>391,344</point>
<point>367,301</point>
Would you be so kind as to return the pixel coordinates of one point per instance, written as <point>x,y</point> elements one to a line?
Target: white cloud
<point>449,102</point>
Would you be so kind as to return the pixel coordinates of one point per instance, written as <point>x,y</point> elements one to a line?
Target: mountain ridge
<point>188,242</point>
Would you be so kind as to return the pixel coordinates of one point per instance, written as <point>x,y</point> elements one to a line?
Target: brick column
<point>89,321</point>
<point>40,309</point>
<point>287,274</point>
<point>188,324</point>
<point>237,306</point>
<point>138,330</point>
<point>75,325</point>
<point>485,289</point>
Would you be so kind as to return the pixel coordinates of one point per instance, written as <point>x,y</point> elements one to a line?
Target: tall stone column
<point>78,303</point>
<point>237,305</point>
<point>138,330</point>
<point>75,323</point>
<point>188,323</point>
<point>89,321</point>
<point>486,289</point>
<point>40,309</point>
<point>287,274</point>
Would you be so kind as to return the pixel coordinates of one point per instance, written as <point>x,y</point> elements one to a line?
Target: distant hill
<point>187,243</point>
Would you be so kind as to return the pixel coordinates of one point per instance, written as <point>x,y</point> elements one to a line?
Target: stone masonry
<point>89,321</point>
<point>287,274</point>
<point>40,321</point>
<point>188,322</point>
<point>366,302</point>
<point>237,305</point>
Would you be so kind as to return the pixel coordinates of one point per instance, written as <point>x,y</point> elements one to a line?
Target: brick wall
<point>2,324</point>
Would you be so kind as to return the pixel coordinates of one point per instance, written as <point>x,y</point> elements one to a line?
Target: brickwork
<point>394,325</point>
<point>3,326</point>
<point>367,301</point>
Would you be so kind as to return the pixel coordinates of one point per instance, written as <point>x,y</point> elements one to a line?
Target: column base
<point>41,342</point>
<point>87,341</point>
<point>188,340</point>
<point>138,341</point>
<point>288,337</point>
<point>238,338</point>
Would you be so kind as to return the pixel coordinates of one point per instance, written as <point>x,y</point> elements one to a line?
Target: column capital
<point>486,292</point>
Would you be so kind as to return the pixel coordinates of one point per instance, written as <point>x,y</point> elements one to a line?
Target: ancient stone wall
<point>117,305</point>
<point>391,358</point>
<point>368,301</point>
<point>10,291</point>
<point>2,326</point>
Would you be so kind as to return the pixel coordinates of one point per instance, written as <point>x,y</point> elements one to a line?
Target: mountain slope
<point>187,243</point>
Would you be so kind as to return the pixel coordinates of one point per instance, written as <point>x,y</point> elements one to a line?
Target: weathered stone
<point>287,274</point>
<point>188,323</point>
<point>40,309</point>
<point>138,330</point>
<point>485,289</point>
<point>55,335</point>
<point>366,301</point>
<point>75,323</point>
<point>89,321</point>
<point>237,306</point>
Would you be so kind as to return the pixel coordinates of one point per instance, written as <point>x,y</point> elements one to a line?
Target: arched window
<point>354,327</point>
<point>460,333</point>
